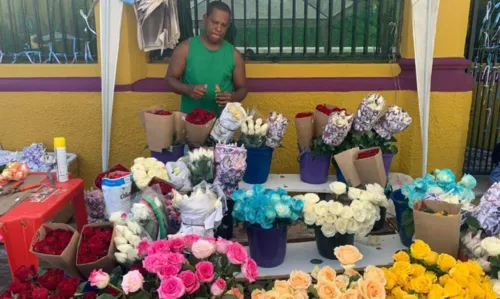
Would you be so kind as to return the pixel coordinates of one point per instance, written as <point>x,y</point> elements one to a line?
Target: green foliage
<point>407,222</point>
<point>372,139</point>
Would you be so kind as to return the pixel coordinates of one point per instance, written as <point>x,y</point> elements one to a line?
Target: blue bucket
<point>401,205</point>
<point>258,165</point>
<point>340,176</point>
<point>169,156</point>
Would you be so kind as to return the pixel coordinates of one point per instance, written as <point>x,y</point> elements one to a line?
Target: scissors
<point>16,187</point>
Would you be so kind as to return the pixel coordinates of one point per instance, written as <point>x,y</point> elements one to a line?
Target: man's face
<point>216,25</point>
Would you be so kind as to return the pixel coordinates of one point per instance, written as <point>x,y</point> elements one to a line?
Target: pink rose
<point>171,288</point>
<point>99,279</point>
<point>160,246</point>
<point>190,281</point>
<point>218,287</point>
<point>154,262</point>
<point>222,245</point>
<point>249,270</point>
<point>176,259</point>
<point>210,239</point>
<point>202,249</point>
<point>168,270</point>
<point>132,282</point>
<point>177,245</point>
<point>176,236</point>
<point>142,247</point>
<point>189,240</point>
<point>205,271</point>
<point>236,253</point>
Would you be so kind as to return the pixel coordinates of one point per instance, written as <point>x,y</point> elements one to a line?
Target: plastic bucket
<point>314,168</point>
<point>258,165</point>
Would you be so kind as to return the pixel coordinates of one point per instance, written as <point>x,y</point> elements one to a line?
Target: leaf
<point>254,287</point>
<point>105,296</point>
<point>240,287</point>
<point>116,276</point>
<point>472,222</point>
<point>229,297</point>
<point>139,295</point>
<point>312,290</point>
<point>81,287</point>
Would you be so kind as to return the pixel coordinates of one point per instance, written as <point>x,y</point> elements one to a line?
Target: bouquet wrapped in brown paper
<point>96,249</point>
<point>199,124</point>
<point>304,124</point>
<point>321,114</point>
<point>437,223</point>
<point>159,125</point>
<point>56,243</point>
<point>362,166</point>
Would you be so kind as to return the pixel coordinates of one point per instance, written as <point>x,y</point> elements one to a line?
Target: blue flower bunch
<point>266,207</point>
<point>32,157</point>
<point>440,182</point>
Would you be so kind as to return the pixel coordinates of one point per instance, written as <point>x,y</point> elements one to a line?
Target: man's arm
<point>239,78</point>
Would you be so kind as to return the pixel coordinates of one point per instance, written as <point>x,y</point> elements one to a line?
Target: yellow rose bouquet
<point>324,283</point>
<point>422,273</point>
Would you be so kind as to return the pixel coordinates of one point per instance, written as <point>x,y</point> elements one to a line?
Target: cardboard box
<point>107,263</point>
<point>362,171</point>
<point>67,260</point>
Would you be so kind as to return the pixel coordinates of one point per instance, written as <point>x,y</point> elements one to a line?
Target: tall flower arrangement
<point>253,132</point>
<point>278,124</point>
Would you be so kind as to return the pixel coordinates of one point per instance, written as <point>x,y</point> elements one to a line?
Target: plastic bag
<point>149,211</point>
<point>129,233</point>
<point>117,194</point>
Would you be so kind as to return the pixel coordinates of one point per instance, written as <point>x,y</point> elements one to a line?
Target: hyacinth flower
<point>278,124</point>
<point>393,121</point>
<point>368,112</point>
<point>338,126</point>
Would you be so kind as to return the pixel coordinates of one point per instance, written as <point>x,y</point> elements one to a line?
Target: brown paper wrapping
<point>196,135</point>
<point>142,113</point>
<point>320,121</point>
<point>180,127</point>
<point>442,233</point>
<point>67,260</point>
<point>371,170</point>
<point>305,131</point>
<point>345,161</point>
<point>107,263</point>
<point>159,128</point>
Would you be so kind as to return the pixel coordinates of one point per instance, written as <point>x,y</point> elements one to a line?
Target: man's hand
<point>223,98</point>
<point>197,91</point>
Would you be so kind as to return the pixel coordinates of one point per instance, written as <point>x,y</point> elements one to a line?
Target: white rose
<point>375,188</point>
<point>121,257</point>
<point>250,124</point>
<point>366,196</point>
<point>341,225</point>
<point>120,241</point>
<point>496,286</point>
<point>135,241</point>
<point>116,217</point>
<point>328,230</point>
<point>124,248</point>
<point>140,160</point>
<point>311,198</point>
<point>308,208</point>
<point>335,208</point>
<point>352,226</point>
<point>330,219</point>
<point>244,128</point>
<point>120,229</point>
<point>134,227</point>
<point>251,131</point>
<point>347,212</point>
<point>491,245</point>
<point>354,193</point>
<point>128,234</point>
<point>338,188</point>
<point>140,174</point>
<point>132,254</point>
<point>310,218</point>
<point>455,199</point>
<point>138,167</point>
<point>321,208</point>
<point>263,129</point>
<point>320,220</point>
<point>359,214</point>
<point>258,122</point>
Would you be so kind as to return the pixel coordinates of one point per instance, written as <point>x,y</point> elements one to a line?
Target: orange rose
<point>348,255</point>
<point>371,289</point>
<point>271,295</point>
<point>286,296</point>
<point>300,280</point>
<point>374,273</point>
<point>282,287</point>
<point>350,294</point>
<point>327,273</point>
<point>342,282</point>
<point>258,294</point>
<point>300,294</point>
<point>327,290</point>
<point>235,292</point>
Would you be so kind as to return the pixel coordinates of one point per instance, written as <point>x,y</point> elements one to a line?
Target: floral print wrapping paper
<point>338,126</point>
<point>229,121</point>
<point>96,208</point>
<point>488,211</point>
<point>278,124</point>
<point>368,112</point>
<point>230,167</point>
<point>393,121</point>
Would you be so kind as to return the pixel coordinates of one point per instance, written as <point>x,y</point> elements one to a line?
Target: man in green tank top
<point>207,71</point>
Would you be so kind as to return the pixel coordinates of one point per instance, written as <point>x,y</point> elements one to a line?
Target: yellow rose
<point>402,267</point>
<point>446,262</point>
<point>475,270</point>
<point>282,287</point>
<point>286,296</point>
<point>258,294</point>
<point>431,258</point>
<point>300,294</point>
<point>421,284</point>
<point>444,279</point>
<point>436,292</point>
<point>327,290</point>
<point>390,278</point>
<point>398,293</point>
<point>408,296</point>
<point>401,256</point>
<point>315,271</point>
<point>460,273</point>
<point>350,294</point>
<point>326,273</point>
<point>432,276</point>
<point>347,254</point>
<point>407,286</point>
<point>401,278</point>
<point>374,273</point>
<point>417,270</point>
<point>299,280</point>
<point>476,290</point>
<point>342,282</point>
<point>371,289</point>
<point>271,295</point>
<point>452,288</point>
<point>419,249</point>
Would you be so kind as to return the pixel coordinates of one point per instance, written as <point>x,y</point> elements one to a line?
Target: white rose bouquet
<point>253,132</point>
<point>368,112</point>
<point>127,236</point>
<point>145,169</point>
<point>179,175</point>
<point>393,121</point>
<point>149,211</point>
<point>202,211</point>
<point>229,121</point>
<point>201,165</point>
<point>278,124</point>
<point>338,126</point>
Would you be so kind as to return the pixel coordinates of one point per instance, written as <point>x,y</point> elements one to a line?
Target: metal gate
<point>483,49</point>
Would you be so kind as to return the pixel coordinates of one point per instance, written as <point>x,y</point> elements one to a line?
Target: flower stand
<point>169,156</point>
<point>401,205</point>
<point>258,165</point>
<point>314,168</point>
<point>267,246</point>
<point>327,245</point>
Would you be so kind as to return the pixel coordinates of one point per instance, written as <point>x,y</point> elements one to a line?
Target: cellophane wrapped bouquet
<point>179,175</point>
<point>96,207</point>
<point>277,126</point>
<point>368,112</point>
<point>128,235</point>
<point>200,163</point>
<point>253,131</point>
<point>230,166</point>
<point>338,126</point>
<point>150,212</point>
<point>202,211</point>
<point>229,121</point>
<point>393,121</point>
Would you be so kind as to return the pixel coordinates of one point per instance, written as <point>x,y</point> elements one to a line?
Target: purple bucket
<point>169,156</point>
<point>387,158</point>
<point>314,168</point>
<point>267,246</point>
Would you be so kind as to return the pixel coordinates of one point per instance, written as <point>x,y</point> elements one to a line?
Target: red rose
<point>6,295</point>
<point>90,295</point>
<point>51,278</point>
<point>139,268</point>
<point>303,114</point>
<point>54,243</point>
<point>368,154</point>
<point>199,116</point>
<point>111,292</point>
<point>40,293</point>
<point>94,244</point>
<point>177,245</point>
<point>18,287</point>
<point>25,274</point>
<point>324,109</point>
<point>68,287</point>
<point>56,296</point>
<point>161,112</point>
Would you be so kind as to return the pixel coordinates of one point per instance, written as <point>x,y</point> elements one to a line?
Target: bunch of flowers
<point>352,212</point>
<point>160,112</point>
<point>173,214</point>
<point>14,171</point>
<point>179,175</point>
<point>202,211</point>
<point>102,175</point>
<point>149,212</point>
<point>278,124</point>
<point>201,165</point>
<point>338,126</point>
<point>51,284</point>
<point>94,244</point>
<point>368,112</point>
<point>421,272</point>
<point>145,169</point>
<point>327,284</point>
<point>94,202</point>
<point>393,121</point>
<point>54,243</point>
<point>127,236</point>
<point>199,124</point>
<point>34,157</point>
<point>229,121</point>
<point>253,132</point>
<point>230,166</point>
<point>199,116</point>
<point>487,212</point>
<point>266,207</point>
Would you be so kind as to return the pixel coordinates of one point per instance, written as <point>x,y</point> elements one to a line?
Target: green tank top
<point>211,68</point>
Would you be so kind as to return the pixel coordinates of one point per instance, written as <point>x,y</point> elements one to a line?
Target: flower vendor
<point>207,70</point>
